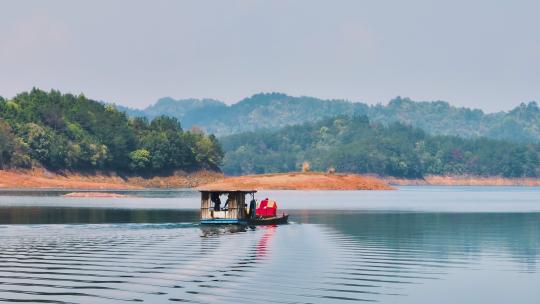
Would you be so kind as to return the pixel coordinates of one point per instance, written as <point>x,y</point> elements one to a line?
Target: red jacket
<point>266,208</point>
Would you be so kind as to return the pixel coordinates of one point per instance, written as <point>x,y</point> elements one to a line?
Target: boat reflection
<point>210,231</point>
<point>263,244</point>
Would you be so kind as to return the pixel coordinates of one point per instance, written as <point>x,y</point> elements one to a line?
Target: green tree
<point>64,131</point>
<point>7,144</point>
<point>140,159</point>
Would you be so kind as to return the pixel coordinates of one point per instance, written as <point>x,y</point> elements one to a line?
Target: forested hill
<point>64,131</point>
<point>189,111</point>
<point>353,144</point>
<point>274,111</point>
<point>261,111</point>
<point>67,132</point>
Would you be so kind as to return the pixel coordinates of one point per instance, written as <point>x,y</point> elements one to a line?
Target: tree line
<point>354,144</point>
<point>68,132</point>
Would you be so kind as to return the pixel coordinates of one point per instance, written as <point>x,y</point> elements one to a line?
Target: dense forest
<point>353,144</point>
<point>64,131</point>
<point>68,132</point>
<point>273,111</point>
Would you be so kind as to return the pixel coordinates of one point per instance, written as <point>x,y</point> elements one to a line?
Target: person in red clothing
<point>267,208</point>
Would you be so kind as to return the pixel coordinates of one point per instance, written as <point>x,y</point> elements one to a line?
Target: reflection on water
<point>70,215</point>
<point>217,230</point>
<point>156,193</point>
<point>442,234</point>
<point>326,256</point>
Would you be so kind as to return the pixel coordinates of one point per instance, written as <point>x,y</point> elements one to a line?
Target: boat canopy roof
<point>245,191</point>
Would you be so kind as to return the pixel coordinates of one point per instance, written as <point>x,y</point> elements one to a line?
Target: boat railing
<point>220,214</point>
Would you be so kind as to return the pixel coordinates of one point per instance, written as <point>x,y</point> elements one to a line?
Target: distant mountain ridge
<point>276,110</point>
<point>185,110</point>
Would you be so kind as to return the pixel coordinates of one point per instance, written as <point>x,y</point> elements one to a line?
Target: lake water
<point>414,245</point>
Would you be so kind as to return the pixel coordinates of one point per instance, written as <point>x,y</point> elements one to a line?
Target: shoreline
<point>464,180</point>
<point>41,179</point>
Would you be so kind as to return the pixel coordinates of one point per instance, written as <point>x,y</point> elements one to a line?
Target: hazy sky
<point>483,53</point>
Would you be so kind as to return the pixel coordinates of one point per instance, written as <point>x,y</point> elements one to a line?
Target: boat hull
<point>277,220</point>
<point>218,221</point>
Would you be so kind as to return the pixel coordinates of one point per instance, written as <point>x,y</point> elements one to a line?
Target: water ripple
<point>155,263</point>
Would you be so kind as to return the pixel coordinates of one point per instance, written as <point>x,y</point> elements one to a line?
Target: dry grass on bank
<point>300,181</point>
<point>43,179</point>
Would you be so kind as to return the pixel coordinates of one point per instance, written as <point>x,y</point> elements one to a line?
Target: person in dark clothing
<point>252,206</point>
<point>217,201</point>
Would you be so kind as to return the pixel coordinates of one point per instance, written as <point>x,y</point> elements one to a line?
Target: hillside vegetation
<point>261,111</point>
<point>67,132</point>
<point>353,144</point>
<point>274,111</point>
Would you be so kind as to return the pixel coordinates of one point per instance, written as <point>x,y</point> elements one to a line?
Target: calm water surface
<point>414,245</point>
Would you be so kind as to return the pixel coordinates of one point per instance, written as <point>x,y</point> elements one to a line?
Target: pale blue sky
<point>480,53</point>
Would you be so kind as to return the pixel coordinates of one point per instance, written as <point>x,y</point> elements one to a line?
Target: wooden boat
<point>275,220</point>
<point>236,211</point>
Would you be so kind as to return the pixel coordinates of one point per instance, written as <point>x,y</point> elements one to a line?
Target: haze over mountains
<point>276,110</point>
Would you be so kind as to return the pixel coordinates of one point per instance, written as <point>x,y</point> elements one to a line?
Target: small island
<point>96,195</point>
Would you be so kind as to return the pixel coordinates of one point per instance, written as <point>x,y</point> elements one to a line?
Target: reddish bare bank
<point>42,179</point>
<point>300,181</point>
